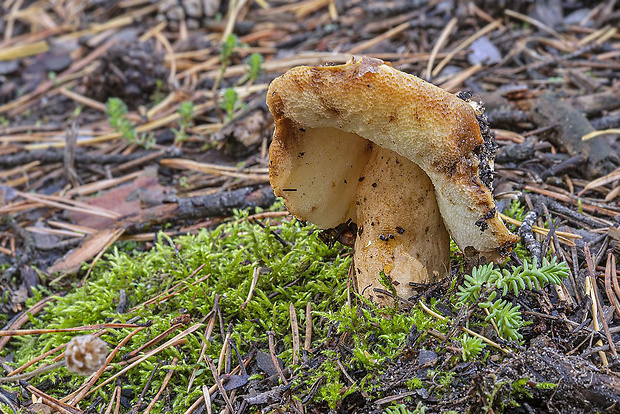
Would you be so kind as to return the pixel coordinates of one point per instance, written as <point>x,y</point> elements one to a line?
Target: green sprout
<point>402,409</point>
<point>230,102</point>
<point>117,111</point>
<point>471,346</point>
<point>414,383</point>
<point>227,48</point>
<point>185,110</point>
<point>255,66</point>
<point>546,385</point>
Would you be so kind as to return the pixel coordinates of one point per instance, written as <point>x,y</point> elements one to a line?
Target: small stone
<point>211,7</point>
<point>426,356</point>
<point>57,63</point>
<point>176,13</point>
<point>165,5</point>
<point>193,8</point>
<point>8,66</point>
<point>192,23</point>
<point>483,52</point>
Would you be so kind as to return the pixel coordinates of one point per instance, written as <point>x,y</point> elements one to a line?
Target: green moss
<point>402,409</point>
<point>546,385</point>
<point>299,271</point>
<point>445,378</point>
<point>414,383</point>
<point>296,268</point>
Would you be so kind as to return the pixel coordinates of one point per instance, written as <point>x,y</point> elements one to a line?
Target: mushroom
<point>409,163</point>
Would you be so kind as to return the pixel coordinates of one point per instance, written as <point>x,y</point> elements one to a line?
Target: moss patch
<point>359,354</point>
<point>295,267</point>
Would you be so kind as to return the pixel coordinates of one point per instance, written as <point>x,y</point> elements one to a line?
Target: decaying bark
<point>222,204</point>
<point>571,125</point>
<point>597,103</point>
<point>579,382</point>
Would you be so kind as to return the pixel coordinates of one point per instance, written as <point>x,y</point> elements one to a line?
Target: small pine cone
<point>131,71</point>
<point>85,354</point>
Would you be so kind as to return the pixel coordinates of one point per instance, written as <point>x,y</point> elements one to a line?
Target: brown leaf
<point>91,247</point>
<point>126,200</point>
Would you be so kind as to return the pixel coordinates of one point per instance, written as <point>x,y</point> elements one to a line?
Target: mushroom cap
<point>371,100</point>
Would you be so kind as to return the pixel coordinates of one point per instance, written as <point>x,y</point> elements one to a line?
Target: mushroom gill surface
<point>417,120</point>
<point>316,172</point>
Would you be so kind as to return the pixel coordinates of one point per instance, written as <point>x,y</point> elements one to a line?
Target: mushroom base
<point>400,229</point>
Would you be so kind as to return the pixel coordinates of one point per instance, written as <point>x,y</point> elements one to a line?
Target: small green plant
<point>486,286</point>
<point>160,91</point>
<point>77,111</point>
<point>516,210</point>
<point>116,111</point>
<point>445,379</point>
<point>183,182</point>
<point>471,346</point>
<point>546,385</point>
<point>117,117</point>
<point>332,390</point>
<point>402,409</point>
<point>255,66</point>
<point>227,48</point>
<point>386,282</point>
<point>521,387</point>
<point>185,110</point>
<point>230,103</point>
<point>414,383</point>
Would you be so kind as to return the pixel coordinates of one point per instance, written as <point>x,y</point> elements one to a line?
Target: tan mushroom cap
<point>326,116</point>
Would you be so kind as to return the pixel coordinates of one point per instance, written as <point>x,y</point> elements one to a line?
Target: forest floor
<point>135,205</point>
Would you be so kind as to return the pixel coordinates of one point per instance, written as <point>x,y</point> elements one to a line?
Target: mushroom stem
<point>400,229</point>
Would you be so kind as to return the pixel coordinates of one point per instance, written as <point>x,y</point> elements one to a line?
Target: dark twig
<point>566,165</point>
<point>7,401</point>
<point>572,215</point>
<point>595,298</point>
<point>223,204</point>
<point>219,384</point>
<point>138,406</point>
<point>274,358</point>
<point>528,239</point>
<point>81,158</point>
<point>607,121</point>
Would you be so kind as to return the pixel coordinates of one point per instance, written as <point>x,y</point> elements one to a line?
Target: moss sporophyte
<point>179,281</point>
